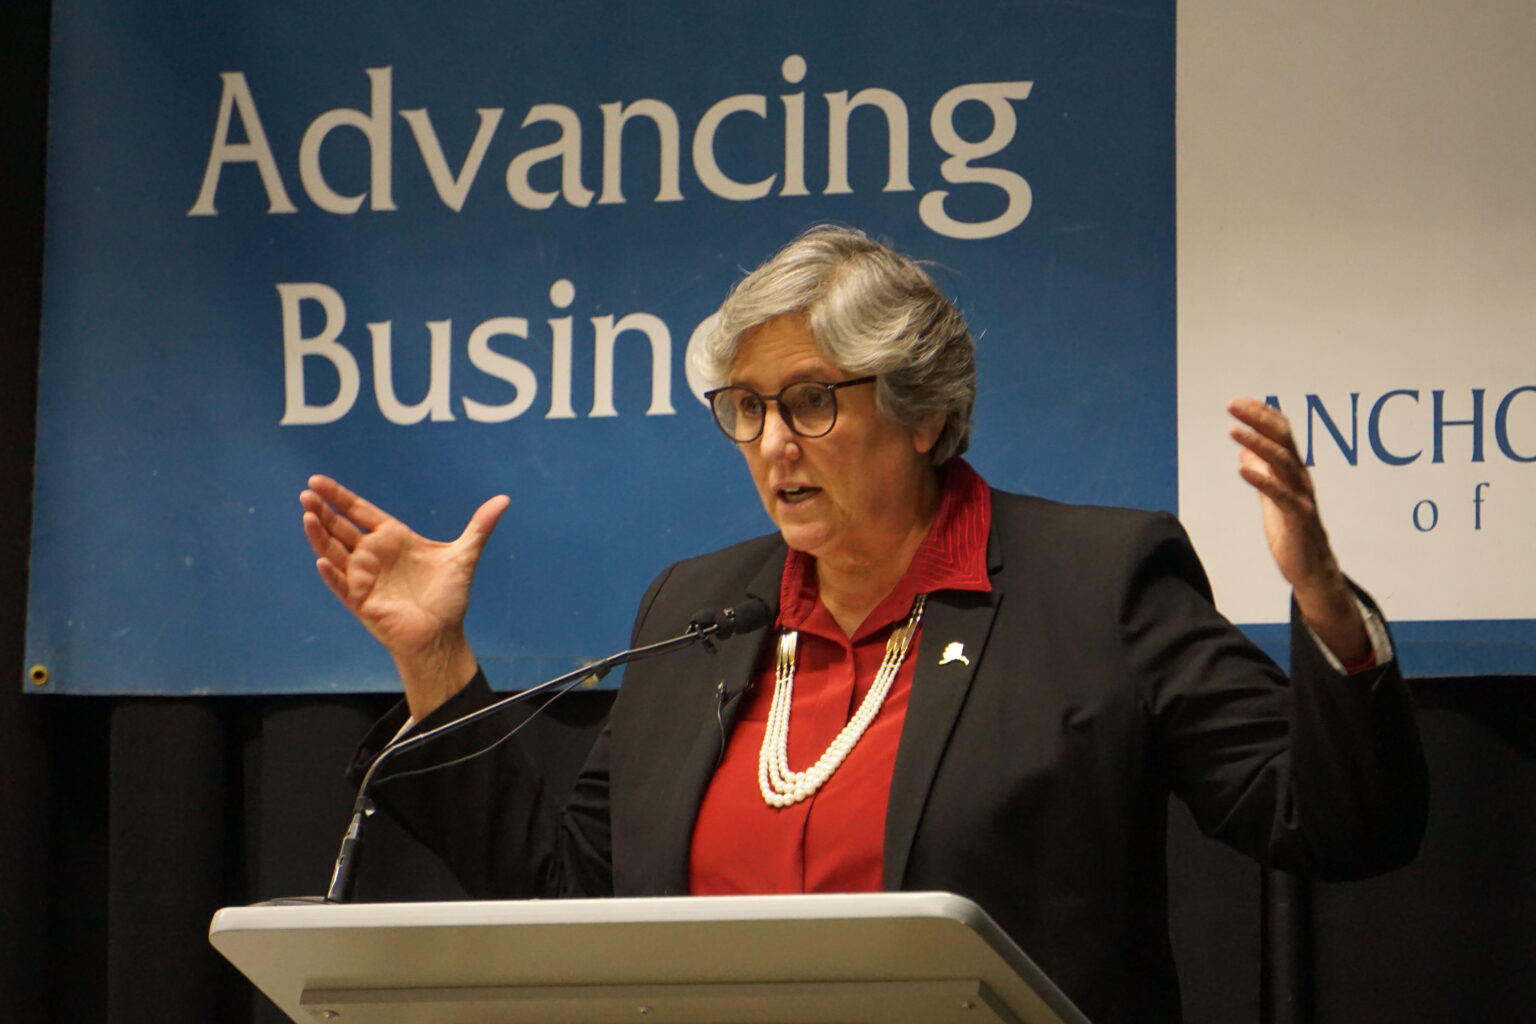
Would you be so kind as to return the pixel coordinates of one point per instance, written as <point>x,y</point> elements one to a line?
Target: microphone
<point>727,622</point>
<point>705,624</point>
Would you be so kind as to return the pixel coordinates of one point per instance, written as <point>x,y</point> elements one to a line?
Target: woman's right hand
<point>410,592</point>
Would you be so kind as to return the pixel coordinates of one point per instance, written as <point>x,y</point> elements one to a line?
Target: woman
<point>964,690</point>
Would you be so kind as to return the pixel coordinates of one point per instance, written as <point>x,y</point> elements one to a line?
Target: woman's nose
<point>778,441</point>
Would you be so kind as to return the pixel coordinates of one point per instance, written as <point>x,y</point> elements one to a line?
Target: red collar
<point>953,556</point>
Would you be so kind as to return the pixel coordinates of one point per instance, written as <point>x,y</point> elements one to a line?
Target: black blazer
<point>1033,780</point>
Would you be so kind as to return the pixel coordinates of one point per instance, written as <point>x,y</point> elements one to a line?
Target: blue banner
<point>444,253</point>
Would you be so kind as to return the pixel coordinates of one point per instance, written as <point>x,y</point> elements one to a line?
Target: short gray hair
<point>870,310</point>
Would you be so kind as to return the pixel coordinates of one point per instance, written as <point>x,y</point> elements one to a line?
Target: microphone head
<point>703,619</point>
<point>742,618</point>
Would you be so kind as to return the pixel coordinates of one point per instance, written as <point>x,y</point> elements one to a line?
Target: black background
<point>126,822</point>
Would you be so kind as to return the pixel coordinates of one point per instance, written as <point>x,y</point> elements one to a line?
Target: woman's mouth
<point>795,495</point>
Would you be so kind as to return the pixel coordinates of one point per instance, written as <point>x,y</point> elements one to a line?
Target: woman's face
<point>850,493</point>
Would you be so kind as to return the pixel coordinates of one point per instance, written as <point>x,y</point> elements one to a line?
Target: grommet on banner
<point>39,675</point>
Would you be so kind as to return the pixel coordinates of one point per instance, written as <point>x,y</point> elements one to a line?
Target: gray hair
<point>870,310</point>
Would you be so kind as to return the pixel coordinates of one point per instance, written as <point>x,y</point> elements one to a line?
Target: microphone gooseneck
<point>704,624</point>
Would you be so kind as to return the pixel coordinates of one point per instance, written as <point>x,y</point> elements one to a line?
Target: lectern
<point>879,958</point>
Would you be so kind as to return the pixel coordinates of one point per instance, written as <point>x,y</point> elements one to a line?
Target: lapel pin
<point>954,652</point>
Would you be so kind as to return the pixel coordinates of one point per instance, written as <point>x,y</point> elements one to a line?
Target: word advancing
<point>787,173</point>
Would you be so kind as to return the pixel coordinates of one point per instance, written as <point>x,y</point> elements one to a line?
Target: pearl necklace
<point>782,787</point>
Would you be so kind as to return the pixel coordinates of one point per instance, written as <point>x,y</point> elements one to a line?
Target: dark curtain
<point>126,822</point>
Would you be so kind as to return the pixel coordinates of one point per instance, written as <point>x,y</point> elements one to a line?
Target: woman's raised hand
<point>1272,465</point>
<point>410,592</point>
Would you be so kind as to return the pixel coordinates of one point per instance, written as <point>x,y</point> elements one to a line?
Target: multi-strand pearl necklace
<point>782,787</point>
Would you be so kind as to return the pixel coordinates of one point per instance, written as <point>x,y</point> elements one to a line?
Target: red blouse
<point>834,840</point>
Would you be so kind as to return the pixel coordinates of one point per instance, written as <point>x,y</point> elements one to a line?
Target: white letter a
<point>237,94</point>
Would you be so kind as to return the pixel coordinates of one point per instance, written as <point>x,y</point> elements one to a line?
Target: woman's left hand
<point>1272,465</point>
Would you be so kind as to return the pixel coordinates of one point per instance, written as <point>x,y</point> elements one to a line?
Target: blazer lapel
<point>956,625</point>
<point>735,660</point>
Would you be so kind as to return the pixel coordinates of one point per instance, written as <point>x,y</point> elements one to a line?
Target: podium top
<point>880,958</point>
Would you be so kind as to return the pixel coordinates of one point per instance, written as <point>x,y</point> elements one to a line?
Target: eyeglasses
<point>809,408</point>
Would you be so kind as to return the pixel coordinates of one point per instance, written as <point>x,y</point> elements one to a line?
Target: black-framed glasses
<point>809,408</point>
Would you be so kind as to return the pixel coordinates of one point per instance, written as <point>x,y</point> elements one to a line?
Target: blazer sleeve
<point>478,800</point>
<point>1320,773</point>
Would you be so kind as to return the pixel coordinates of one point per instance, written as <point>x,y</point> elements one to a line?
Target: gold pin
<point>954,652</point>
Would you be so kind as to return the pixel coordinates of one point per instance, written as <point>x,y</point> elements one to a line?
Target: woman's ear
<point>926,434</point>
